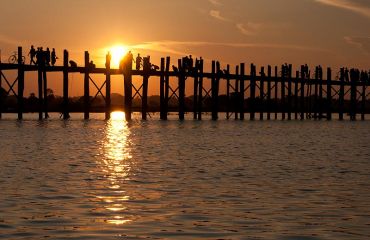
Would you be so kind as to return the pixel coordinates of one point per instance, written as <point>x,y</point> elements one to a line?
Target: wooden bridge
<point>301,95</point>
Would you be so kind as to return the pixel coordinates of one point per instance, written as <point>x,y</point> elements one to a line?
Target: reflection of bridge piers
<point>267,91</point>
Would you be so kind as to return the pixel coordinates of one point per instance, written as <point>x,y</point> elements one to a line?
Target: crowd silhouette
<point>41,57</point>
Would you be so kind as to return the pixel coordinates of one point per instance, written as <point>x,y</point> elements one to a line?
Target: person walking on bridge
<point>32,55</point>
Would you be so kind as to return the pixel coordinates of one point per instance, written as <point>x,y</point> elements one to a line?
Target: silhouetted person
<point>53,57</point>
<point>109,58</point>
<point>139,59</point>
<point>72,63</point>
<point>175,69</point>
<point>47,57</point>
<point>190,63</point>
<point>40,58</point>
<point>92,65</point>
<point>32,55</point>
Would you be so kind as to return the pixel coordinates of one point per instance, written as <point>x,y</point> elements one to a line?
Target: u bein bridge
<point>302,96</point>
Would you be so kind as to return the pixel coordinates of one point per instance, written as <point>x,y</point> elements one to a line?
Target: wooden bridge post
<point>354,78</point>
<point>195,71</point>
<point>162,90</point>
<point>302,97</point>
<point>237,101</point>
<point>127,75</point>
<point>341,94</point>
<point>242,90</point>
<point>166,87</point>
<point>328,95</point>
<point>269,79</point>
<point>108,101</point>
<point>283,80</point>
<point>276,93</point>
<point>44,76</point>
<point>296,95</point>
<point>65,85</point>
<point>364,79</point>
<point>87,86</point>
<point>214,86</point>
<point>320,103</point>
<point>1,85</point>
<point>316,94</point>
<point>228,92</point>
<point>289,76</point>
<point>144,99</point>
<point>20,84</point>
<point>252,89</point>
<point>200,89</point>
<point>40,89</point>
<point>262,92</point>
<point>182,77</point>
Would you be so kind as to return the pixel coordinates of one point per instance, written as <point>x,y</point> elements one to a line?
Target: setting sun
<point>117,52</point>
<point>117,116</point>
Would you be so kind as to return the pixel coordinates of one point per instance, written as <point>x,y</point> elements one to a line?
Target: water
<point>184,180</point>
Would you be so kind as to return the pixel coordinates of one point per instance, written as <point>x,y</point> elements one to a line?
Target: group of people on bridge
<point>41,57</point>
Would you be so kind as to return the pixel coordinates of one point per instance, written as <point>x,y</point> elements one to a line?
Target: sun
<point>117,52</point>
<point>117,116</point>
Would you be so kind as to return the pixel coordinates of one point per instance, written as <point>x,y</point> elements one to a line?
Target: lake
<point>157,179</point>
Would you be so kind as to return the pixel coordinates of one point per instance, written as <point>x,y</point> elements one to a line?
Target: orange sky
<point>327,32</point>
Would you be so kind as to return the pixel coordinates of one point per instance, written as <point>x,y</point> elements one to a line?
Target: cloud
<point>362,43</point>
<point>215,2</point>
<point>248,29</point>
<point>9,41</point>
<point>171,46</point>
<point>348,5</point>
<point>216,14</point>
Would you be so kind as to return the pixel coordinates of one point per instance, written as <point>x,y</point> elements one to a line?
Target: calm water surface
<point>184,180</point>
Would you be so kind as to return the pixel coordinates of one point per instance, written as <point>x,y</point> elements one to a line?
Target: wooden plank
<point>296,93</point>
<point>127,79</point>
<point>195,89</point>
<point>252,88</point>
<point>45,81</point>
<point>162,90</point>
<point>40,89</point>
<point>87,86</point>
<point>181,78</point>
<point>214,85</point>
<point>269,79</point>
<point>276,105</point>
<point>200,90</point>
<point>108,101</point>
<point>228,105</point>
<point>20,84</point>
<point>282,88</point>
<point>144,99</point>
<point>289,79</point>
<point>237,94</point>
<point>167,88</point>
<point>241,90</point>
<point>65,85</point>
<point>262,92</point>
<point>328,95</point>
<point>341,94</point>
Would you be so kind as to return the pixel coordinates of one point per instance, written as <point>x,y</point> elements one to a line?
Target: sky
<point>317,32</point>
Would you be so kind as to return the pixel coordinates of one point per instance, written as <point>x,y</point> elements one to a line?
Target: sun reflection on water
<point>116,166</point>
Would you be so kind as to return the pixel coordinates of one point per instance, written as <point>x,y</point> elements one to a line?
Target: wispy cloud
<point>348,5</point>
<point>177,47</point>
<point>215,2</point>
<point>362,43</point>
<point>216,14</point>
<point>8,40</point>
<point>248,29</point>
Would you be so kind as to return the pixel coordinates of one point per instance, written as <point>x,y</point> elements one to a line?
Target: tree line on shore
<point>9,103</point>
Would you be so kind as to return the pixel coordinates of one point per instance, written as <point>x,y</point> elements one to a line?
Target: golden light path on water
<point>115,164</point>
